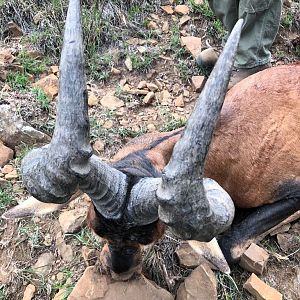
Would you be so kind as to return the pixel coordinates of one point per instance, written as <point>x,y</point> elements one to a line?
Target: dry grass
<point>104,22</point>
<point>161,264</point>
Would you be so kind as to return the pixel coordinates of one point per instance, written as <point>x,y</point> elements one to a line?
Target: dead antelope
<point>157,180</point>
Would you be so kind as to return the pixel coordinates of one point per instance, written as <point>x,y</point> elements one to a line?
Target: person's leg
<point>261,23</point>
<point>262,18</point>
<point>227,11</point>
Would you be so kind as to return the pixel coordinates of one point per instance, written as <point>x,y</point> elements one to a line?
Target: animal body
<point>254,154</point>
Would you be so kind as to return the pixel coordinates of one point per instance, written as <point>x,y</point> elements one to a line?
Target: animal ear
<point>212,252</point>
<point>31,207</point>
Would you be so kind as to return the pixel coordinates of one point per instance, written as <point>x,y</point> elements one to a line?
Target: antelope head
<point>129,213</point>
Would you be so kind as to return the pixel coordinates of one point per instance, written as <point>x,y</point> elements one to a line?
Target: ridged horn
<point>53,173</point>
<point>193,207</point>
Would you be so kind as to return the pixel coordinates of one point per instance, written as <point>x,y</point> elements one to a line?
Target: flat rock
<point>64,250</point>
<point>168,9</point>
<point>151,74</point>
<point>6,57</point>
<point>165,27</point>
<point>6,154</point>
<point>111,102</point>
<point>179,102</point>
<point>31,207</point>
<point>288,242</point>
<point>188,257</point>
<point>182,9</point>
<point>49,85</point>
<point>34,53</point>
<point>44,264</point>
<point>254,259</point>
<point>152,25</point>
<point>54,69</point>
<point>186,93</point>
<point>92,100</point>
<point>137,92</point>
<point>151,127</point>
<point>142,84</point>
<point>3,75</point>
<point>148,99</point>
<point>159,84</point>
<point>115,71</point>
<point>176,88</point>
<point>108,124</point>
<point>212,252</point>
<point>71,221</point>
<point>198,83</point>
<point>128,63</point>
<point>192,44</point>
<point>142,49</point>
<point>165,97</point>
<point>260,290</point>
<point>99,146</point>
<point>12,175</point>
<point>184,19</point>
<point>152,87</point>
<point>60,295</point>
<point>94,286</point>
<point>201,284</point>
<point>29,292</point>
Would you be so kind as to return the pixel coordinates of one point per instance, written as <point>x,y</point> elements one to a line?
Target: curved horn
<point>194,208</point>
<point>53,173</point>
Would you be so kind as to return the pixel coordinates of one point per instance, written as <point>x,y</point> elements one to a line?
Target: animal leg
<point>258,223</point>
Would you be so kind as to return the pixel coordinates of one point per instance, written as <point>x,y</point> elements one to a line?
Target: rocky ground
<point>149,84</point>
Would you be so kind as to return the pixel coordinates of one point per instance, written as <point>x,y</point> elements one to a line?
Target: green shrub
<point>18,81</point>
<point>31,65</point>
<point>6,197</point>
<point>41,98</point>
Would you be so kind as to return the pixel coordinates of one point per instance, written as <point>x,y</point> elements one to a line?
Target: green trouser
<point>261,23</point>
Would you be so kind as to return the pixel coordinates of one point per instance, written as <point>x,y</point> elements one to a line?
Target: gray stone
<point>44,264</point>
<point>14,131</point>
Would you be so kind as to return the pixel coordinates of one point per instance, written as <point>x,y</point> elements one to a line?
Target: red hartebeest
<point>251,148</point>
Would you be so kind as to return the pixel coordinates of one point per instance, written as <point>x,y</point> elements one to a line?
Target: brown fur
<point>255,150</point>
<point>256,145</point>
<point>160,154</point>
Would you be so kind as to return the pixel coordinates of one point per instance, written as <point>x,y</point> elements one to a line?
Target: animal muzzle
<point>123,261</point>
